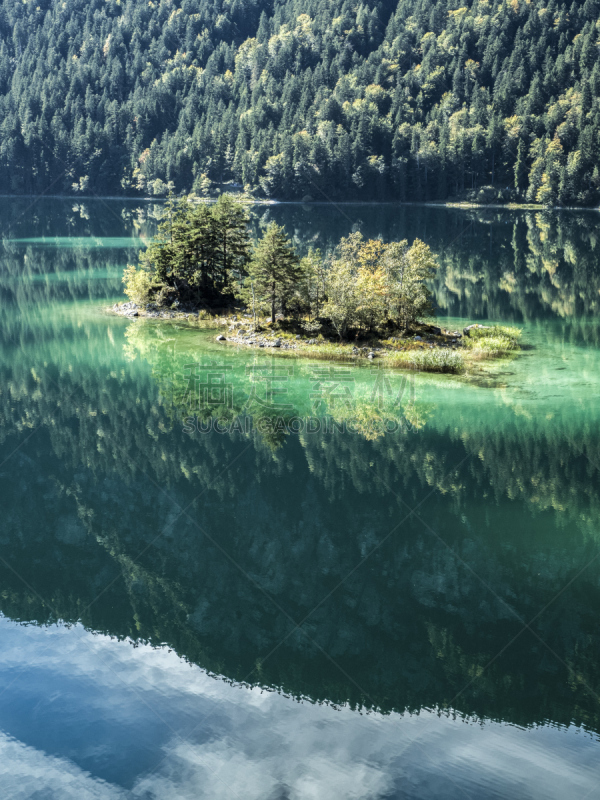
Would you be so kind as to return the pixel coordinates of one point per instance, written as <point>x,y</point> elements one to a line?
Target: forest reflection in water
<point>411,605</point>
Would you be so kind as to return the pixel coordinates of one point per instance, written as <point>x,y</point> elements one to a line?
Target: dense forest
<point>414,100</point>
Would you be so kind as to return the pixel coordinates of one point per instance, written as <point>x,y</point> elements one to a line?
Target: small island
<point>367,299</point>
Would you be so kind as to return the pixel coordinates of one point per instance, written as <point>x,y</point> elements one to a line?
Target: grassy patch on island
<point>492,342</point>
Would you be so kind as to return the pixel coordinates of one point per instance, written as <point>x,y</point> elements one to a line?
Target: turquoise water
<point>225,574</point>
<point>82,242</point>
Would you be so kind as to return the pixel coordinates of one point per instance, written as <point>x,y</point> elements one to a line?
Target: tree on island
<point>197,257</point>
<point>275,270</point>
<point>371,284</point>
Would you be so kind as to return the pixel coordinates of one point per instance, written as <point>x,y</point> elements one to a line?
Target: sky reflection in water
<point>176,732</point>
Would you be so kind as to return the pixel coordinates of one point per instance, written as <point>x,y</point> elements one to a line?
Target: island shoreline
<point>427,348</point>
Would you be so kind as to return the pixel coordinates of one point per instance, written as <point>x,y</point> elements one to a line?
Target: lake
<point>231,575</point>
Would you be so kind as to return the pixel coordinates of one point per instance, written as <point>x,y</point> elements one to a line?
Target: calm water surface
<point>226,575</point>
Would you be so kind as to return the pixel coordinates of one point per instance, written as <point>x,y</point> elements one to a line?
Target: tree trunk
<point>273,303</point>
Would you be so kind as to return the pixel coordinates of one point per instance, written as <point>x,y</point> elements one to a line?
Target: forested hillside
<point>408,100</point>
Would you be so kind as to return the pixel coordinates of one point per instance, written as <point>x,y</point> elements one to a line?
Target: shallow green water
<point>259,577</point>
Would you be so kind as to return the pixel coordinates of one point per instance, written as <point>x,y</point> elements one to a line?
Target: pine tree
<point>274,269</point>
<point>232,245</point>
